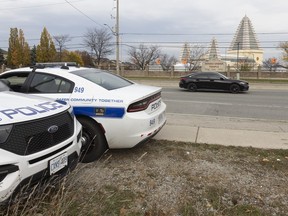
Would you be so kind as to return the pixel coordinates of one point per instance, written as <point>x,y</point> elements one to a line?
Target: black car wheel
<point>234,88</point>
<point>192,87</point>
<point>94,143</point>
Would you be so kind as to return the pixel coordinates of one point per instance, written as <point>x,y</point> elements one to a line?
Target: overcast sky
<point>166,23</point>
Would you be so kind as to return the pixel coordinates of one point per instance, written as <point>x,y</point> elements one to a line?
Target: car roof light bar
<point>63,65</point>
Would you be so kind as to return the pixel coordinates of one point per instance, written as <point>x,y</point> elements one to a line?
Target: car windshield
<point>104,79</point>
<point>223,76</point>
<point>4,85</point>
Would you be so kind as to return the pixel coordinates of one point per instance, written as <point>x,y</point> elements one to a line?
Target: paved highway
<point>257,118</point>
<point>257,103</point>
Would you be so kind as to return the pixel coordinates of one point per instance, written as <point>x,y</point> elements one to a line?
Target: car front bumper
<point>244,87</point>
<point>26,171</point>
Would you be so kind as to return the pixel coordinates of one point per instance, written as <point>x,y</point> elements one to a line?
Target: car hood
<point>238,81</point>
<point>17,107</point>
<point>136,92</point>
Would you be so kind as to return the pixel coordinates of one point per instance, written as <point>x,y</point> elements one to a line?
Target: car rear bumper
<point>181,85</point>
<point>138,127</point>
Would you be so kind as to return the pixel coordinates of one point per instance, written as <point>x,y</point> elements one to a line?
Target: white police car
<point>114,112</point>
<point>39,138</point>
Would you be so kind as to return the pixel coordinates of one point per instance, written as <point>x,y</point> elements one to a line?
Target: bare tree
<point>143,55</point>
<point>60,41</point>
<point>197,54</point>
<point>167,61</point>
<point>99,41</point>
<point>284,47</point>
<point>271,64</point>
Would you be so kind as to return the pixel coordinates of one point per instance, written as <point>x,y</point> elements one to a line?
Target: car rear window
<point>104,79</point>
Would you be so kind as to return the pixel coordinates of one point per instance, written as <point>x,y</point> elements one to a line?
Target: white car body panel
<point>122,129</point>
<point>16,108</point>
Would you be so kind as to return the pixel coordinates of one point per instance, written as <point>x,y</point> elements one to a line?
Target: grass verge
<point>168,178</point>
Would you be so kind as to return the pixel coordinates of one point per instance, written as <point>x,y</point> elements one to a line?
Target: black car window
<point>214,76</point>
<point>201,76</point>
<point>46,83</point>
<point>16,80</point>
<point>104,79</point>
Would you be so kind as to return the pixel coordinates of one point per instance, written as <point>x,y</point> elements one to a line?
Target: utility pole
<point>117,38</point>
<point>238,46</point>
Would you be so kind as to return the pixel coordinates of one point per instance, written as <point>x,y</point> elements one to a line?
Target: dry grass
<point>168,178</point>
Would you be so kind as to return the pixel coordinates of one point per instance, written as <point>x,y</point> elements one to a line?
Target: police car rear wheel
<point>94,142</point>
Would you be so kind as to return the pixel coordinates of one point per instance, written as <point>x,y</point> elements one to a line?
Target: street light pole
<point>253,61</point>
<point>117,37</point>
<point>238,44</point>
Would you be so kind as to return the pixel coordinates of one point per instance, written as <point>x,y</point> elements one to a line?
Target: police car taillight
<point>143,104</point>
<point>138,106</point>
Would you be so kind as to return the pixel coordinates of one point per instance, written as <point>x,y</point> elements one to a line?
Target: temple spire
<point>245,37</point>
<point>213,54</point>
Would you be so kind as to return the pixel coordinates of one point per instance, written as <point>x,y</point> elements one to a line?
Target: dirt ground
<point>174,178</point>
<point>163,178</point>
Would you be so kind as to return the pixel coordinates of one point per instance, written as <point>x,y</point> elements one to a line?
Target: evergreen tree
<point>2,60</point>
<point>33,55</point>
<point>24,50</point>
<point>46,51</point>
<point>18,51</point>
<point>12,56</point>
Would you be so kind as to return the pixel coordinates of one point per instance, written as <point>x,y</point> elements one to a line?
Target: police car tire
<point>96,142</point>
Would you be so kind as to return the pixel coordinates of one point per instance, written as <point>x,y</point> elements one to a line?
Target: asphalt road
<point>258,104</point>
<point>257,118</point>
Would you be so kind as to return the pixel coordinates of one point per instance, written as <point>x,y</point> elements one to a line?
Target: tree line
<point>98,41</point>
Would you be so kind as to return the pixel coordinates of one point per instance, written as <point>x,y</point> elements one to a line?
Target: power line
<point>53,4</point>
<point>35,6</point>
<point>82,13</point>
<point>197,34</point>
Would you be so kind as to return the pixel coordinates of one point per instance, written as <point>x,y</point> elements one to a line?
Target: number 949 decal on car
<point>79,90</point>
<point>115,112</point>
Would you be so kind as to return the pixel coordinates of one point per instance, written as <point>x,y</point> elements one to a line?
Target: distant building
<point>245,43</point>
<point>213,61</point>
<point>185,54</point>
<point>244,51</point>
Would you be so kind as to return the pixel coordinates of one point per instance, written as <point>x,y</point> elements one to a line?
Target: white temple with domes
<point>245,42</point>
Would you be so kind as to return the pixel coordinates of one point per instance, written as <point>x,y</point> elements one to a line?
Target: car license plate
<point>58,163</point>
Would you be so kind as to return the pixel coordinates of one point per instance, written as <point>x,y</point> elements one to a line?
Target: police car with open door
<point>114,112</point>
<point>39,138</point>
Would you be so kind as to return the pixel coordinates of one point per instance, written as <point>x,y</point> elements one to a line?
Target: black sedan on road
<point>212,81</point>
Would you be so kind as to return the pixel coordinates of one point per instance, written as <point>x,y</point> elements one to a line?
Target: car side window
<point>65,87</point>
<point>45,83</point>
<point>201,76</point>
<point>16,80</point>
<point>214,77</point>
